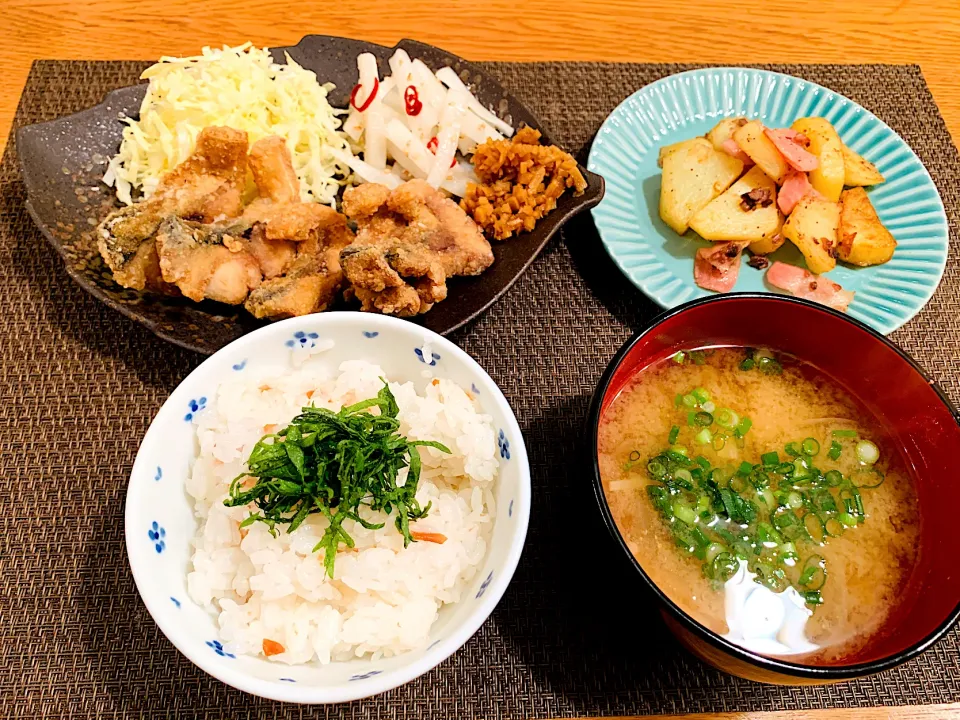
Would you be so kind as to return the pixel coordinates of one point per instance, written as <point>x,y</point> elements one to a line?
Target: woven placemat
<point>574,634</point>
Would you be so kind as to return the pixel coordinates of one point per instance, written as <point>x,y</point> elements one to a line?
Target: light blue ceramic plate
<point>660,262</point>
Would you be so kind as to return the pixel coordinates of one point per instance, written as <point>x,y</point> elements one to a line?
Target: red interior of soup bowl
<point>916,413</point>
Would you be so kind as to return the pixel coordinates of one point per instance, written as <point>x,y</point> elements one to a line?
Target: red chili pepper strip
<point>432,144</point>
<point>411,99</point>
<point>366,103</point>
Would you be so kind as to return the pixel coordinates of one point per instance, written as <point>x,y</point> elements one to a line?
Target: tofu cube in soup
<point>863,240</point>
<point>693,175</point>
<point>813,227</point>
<point>747,211</point>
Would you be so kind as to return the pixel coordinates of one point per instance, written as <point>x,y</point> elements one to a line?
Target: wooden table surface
<point>828,31</point>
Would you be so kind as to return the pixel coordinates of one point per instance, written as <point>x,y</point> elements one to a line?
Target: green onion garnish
<point>690,401</point>
<point>845,433</point>
<point>674,434</point>
<point>678,358</point>
<point>769,365</point>
<point>867,452</point>
<point>703,419</point>
<point>747,364</point>
<point>847,519</point>
<point>810,446</point>
<point>726,418</point>
<point>769,459</point>
<point>704,436</point>
<point>708,406</point>
<point>700,394</point>
<point>792,449</point>
<point>835,449</point>
<point>743,427</point>
<point>719,442</point>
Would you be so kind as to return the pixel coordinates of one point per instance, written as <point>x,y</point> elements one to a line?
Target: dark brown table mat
<point>574,634</point>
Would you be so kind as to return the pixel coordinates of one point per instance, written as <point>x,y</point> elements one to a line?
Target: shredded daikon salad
<point>417,119</point>
<point>238,87</point>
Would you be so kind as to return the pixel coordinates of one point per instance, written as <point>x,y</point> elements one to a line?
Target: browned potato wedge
<point>693,175</point>
<point>812,227</point>
<point>825,144</point>
<point>747,211</point>
<point>767,245</point>
<point>863,240</point>
<point>858,171</point>
<point>724,130</point>
<point>752,140</point>
<point>670,149</point>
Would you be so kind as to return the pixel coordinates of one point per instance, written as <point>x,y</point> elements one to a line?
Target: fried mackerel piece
<point>207,186</point>
<point>207,261</point>
<point>313,280</point>
<point>409,241</point>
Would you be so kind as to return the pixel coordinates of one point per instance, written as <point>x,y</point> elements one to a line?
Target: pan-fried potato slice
<point>752,140</point>
<point>735,215</point>
<point>693,175</point>
<point>827,179</point>
<point>863,240</point>
<point>858,171</point>
<point>812,227</point>
<point>724,130</point>
<point>670,149</point>
<point>767,245</point>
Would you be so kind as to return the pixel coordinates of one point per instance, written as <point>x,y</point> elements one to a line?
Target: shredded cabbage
<point>238,87</point>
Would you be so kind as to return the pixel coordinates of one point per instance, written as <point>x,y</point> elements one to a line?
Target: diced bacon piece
<point>792,145</point>
<point>804,284</point>
<point>731,148</point>
<point>717,267</point>
<point>796,185</point>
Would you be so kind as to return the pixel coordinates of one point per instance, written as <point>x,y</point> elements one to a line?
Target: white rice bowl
<point>383,598</point>
<point>389,615</point>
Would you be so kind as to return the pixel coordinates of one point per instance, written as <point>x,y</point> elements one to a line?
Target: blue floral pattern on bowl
<point>218,648</point>
<point>287,680</point>
<point>484,585</point>
<point>504,445</point>
<point>240,365</point>
<point>476,390</point>
<point>303,339</point>
<point>510,509</point>
<point>370,333</point>
<point>175,601</point>
<point>157,535</point>
<point>159,474</point>
<point>195,406</point>
<point>420,356</point>
<point>364,676</point>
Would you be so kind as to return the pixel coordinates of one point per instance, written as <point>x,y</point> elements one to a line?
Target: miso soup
<point>763,499</point>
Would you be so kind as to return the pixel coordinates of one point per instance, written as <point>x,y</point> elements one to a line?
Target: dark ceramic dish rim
<point>825,673</point>
<point>591,197</point>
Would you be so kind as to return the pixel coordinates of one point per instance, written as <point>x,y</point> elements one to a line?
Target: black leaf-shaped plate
<point>63,162</point>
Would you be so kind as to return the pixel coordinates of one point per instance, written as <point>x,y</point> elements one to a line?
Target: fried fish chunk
<point>207,261</point>
<point>409,241</point>
<point>207,186</point>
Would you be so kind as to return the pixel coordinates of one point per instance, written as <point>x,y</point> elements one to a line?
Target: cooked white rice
<point>384,598</point>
